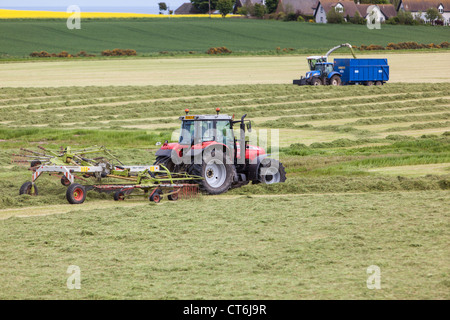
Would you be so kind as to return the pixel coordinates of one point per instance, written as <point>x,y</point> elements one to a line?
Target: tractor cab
<point>313,60</point>
<point>206,128</point>
<point>200,131</point>
<point>324,68</point>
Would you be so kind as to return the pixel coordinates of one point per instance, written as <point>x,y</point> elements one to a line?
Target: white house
<point>420,7</point>
<point>349,8</point>
<point>346,7</point>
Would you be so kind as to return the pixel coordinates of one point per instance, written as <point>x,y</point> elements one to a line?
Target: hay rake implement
<point>153,181</point>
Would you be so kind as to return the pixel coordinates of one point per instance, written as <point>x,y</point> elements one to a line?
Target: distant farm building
<point>304,7</point>
<point>348,8</point>
<point>420,7</point>
<point>187,8</point>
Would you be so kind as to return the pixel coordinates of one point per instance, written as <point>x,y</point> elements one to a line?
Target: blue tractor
<point>344,71</point>
<point>323,74</point>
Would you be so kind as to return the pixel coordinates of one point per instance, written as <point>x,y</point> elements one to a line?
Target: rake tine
<point>34,152</point>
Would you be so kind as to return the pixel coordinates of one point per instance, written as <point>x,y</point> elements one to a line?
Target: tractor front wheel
<point>76,193</point>
<point>316,82</point>
<point>271,171</point>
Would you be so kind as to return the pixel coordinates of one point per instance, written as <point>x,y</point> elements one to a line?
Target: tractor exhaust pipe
<point>242,146</point>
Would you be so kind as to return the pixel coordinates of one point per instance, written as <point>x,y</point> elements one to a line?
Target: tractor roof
<point>202,117</point>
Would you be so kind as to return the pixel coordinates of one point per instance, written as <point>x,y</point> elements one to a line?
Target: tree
<point>335,17</point>
<point>259,10</point>
<point>357,19</point>
<point>203,5</point>
<point>225,7</point>
<point>432,15</point>
<point>271,6</point>
<point>162,7</point>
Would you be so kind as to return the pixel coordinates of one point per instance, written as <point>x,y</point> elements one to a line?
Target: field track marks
<point>37,211</point>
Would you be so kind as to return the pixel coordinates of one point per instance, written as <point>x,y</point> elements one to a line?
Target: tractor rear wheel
<point>166,162</point>
<point>26,189</point>
<point>216,173</point>
<point>76,193</point>
<point>335,80</point>
<point>271,171</point>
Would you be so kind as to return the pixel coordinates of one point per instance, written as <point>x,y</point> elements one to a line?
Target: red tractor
<point>208,148</point>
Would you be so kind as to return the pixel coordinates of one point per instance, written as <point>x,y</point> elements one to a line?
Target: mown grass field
<point>247,247</point>
<point>151,36</point>
<point>230,70</point>
<point>368,184</point>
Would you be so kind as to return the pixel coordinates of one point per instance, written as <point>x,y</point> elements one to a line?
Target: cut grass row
<point>133,92</point>
<point>136,111</point>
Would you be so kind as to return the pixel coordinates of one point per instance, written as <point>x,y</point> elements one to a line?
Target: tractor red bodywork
<point>251,153</point>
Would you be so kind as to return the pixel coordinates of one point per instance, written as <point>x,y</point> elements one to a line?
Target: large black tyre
<point>166,162</point>
<point>76,193</point>
<point>335,80</point>
<point>218,175</point>
<point>316,82</point>
<point>26,189</point>
<point>271,171</point>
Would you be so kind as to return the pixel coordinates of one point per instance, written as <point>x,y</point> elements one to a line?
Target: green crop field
<point>151,36</point>
<point>368,184</point>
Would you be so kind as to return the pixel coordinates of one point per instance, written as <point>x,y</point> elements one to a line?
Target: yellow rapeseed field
<point>28,14</point>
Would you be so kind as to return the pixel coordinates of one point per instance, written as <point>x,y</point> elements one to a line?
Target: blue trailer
<point>362,71</point>
<point>347,72</point>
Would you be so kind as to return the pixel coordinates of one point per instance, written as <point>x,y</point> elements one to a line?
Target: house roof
<point>242,3</point>
<point>424,5</point>
<point>387,9</point>
<point>186,8</point>
<point>306,7</point>
<point>349,6</point>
